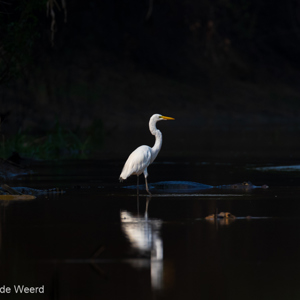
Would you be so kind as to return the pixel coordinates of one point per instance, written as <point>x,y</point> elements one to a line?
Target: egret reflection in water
<point>143,234</point>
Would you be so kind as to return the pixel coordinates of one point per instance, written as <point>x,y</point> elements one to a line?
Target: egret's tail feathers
<point>123,175</point>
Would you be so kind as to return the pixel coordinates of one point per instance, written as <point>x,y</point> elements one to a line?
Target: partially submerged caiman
<point>189,186</point>
<point>246,185</point>
<point>9,170</point>
<point>24,193</point>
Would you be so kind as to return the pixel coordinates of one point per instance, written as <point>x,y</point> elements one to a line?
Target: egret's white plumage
<point>143,156</point>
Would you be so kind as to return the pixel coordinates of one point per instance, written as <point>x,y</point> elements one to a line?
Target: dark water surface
<point>96,241</point>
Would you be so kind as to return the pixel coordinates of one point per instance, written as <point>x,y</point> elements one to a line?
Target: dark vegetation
<point>85,73</point>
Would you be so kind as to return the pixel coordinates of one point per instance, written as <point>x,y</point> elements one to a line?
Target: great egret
<point>143,156</point>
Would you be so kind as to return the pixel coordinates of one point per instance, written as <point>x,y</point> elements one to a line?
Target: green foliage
<point>59,143</point>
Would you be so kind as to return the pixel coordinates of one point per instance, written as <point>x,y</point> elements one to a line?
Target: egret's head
<point>158,117</point>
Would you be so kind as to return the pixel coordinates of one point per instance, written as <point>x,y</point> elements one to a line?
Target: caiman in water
<point>246,185</point>
<point>189,186</point>
<point>24,193</point>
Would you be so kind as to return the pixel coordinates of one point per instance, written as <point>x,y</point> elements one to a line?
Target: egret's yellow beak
<point>167,118</point>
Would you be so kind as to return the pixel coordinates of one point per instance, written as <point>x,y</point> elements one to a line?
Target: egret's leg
<point>147,189</point>
<point>146,175</point>
<point>137,184</point>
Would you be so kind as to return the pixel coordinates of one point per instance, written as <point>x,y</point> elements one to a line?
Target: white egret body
<point>143,156</point>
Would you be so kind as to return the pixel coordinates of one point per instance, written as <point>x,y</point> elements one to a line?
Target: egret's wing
<point>137,161</point>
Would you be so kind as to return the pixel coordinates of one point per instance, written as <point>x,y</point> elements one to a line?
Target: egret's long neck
<point>158,140</point>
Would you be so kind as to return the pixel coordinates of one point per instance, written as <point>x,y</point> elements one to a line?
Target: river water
<point>100,240</point>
